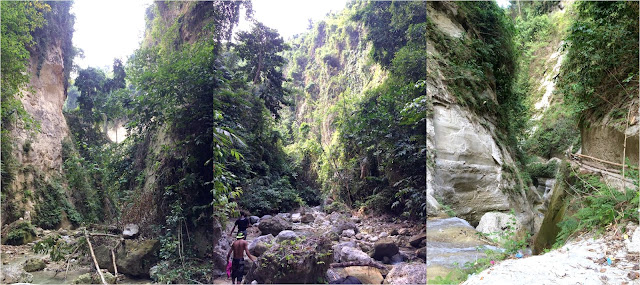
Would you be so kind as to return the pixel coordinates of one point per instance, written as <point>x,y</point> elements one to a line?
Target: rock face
<point>470,171</point>
<point>273,225</point>
<point>40,151</point>
<point>134,259</point>
<point>308,262</point>
<point>407,273</point>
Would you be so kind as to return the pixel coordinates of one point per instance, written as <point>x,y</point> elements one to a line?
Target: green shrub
<point>263,198</point>
<point>336,206</point>
<point>547,170</point>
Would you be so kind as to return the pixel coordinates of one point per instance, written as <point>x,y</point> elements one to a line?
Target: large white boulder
<point>497,225</point>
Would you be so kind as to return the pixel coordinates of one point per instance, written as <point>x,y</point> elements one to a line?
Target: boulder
<point>633,244</point>
<point>131,231</point>
<point>407,273</point>
<point>305,261</point>
<point>353,254</point>
<point>18,233</point>
<point>348,233</point>
<point>418,241</point>
<point>273,226</point>
<point>259,245</point>
<point>135,258</point>
<point>366,274</point>
<point>341,226</point>
<point>307,218</point>
<point>384,247</point>
<point>496,223</point>
<point>254,219</point>
<point>337,249</point>
<point>346,280</point>
<point>286,235</point>
<point>94,278</point>
<point>266,217</point>
<point>34,264</point>
<point>14,274</point>
<point>296,218</point>
<point>284,216</point>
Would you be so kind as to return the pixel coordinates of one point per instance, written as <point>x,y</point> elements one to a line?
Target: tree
<point>90,83</point>
<point>260,49</point>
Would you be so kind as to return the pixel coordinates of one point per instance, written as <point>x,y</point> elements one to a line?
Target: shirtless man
<point>239,247</point>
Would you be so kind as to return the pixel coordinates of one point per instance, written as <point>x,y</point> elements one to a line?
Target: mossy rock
<point>34,264</point>
<point>94,278</point>
<point>19,233</point>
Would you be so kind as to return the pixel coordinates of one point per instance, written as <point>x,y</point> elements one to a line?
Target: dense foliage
<point>600,73</point>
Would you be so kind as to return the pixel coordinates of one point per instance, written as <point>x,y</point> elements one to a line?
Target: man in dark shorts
<point>239,247</point>
<point>242,224</point>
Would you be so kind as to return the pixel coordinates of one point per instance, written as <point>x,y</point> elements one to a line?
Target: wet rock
<point>418,241</point>
<point>384,248</point>
<point>286,235</point>
<point>34,264</point>
<point>273,225</point>
<point>407,273</point>
<point>254,219</point>
<point>259,245</point>
<point>131,231</point>
<point>307,218</point>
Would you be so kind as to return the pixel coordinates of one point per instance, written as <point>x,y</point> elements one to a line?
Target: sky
<point>105,30</point>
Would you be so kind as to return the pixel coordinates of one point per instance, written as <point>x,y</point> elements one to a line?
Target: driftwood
<point>356,263</point>
<point>95,261</point>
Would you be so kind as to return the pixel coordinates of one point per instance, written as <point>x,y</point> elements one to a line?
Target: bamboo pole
<point>597,159</point>
<point>115,267</point>
<point>624,149</point>
<point>93,255</point>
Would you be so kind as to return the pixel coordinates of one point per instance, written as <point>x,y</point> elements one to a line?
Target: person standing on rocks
<point>239,247</point>
<point>242,224</point>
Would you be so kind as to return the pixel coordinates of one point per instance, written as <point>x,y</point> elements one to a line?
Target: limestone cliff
<point>471,171</point>
<point>38,151</point>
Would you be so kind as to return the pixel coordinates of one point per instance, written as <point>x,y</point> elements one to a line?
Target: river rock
<point>348,233</point>
<point>353,254</point>
<point>286,235</point>
<point>273,225</point>
<point>296,218</point>
<point>384,247</point>
<point>404,232</point>
<point>407,273</point>
<point>131,231</point>
<point>254,219</point>
<point>284,216</point>
<point>341,226</point>
<point>496,223</point>
<point>14,274</point>
<point>134,259</point>
<point>307,218</point>
<point>18,233</point>
<point>266,217</point>
<point>259,245</point>
<point>337,249</point>
<point>34,264</point>
<point>306,261</point>
<point>366,274</point>
<point>94,278</point>
<point>418,241</point>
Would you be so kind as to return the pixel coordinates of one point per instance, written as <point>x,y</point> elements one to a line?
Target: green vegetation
<point>600,72</point>
<point>595,206</point>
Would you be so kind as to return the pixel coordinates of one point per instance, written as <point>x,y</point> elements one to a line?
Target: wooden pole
<point>93,255</point>
<point>624,149</point>
<point>115,267</point>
